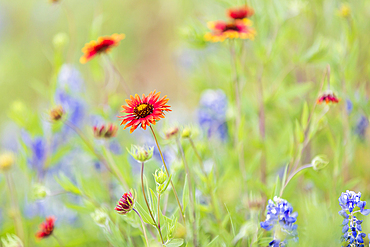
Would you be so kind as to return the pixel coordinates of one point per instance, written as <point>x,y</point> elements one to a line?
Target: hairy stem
<point>142,224</point>
<point>168,174</point>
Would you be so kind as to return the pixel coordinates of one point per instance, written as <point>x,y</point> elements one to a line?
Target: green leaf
<point>185,194</point>
<point>176,242</point>
<point>305,115</point>
<point>67,184</point>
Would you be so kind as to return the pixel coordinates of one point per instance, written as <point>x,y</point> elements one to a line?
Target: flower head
<point>349,200</point>
<point>6,161</point>
<point>240,12</point>
<point>344,10</point>
<point>141,153</point>
<point>46,228</point>
<point>102,45</point>
<point>56,113</point>
<point>237,29</point>
<point>100,217</point>
<point>144,111</point>
<point>328,97</point>
<point>105,131</point>
<point>171,132</point>
<point>126,203</point>
<point>280,211</point>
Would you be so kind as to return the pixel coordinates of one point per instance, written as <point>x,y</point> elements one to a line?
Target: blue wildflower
<point>361,126</point>
<point>212,113</point>
<point>349,106</point>
<point>280,215</point>
<point>351,203</point>
<point>70,79</point>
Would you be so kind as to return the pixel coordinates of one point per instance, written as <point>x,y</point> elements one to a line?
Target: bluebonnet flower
<point>352,235</point>
<point>281,218</point>
<point>212,113</point>
<point>70,79</point>
<point>361,126</point>
<point>349,106</point>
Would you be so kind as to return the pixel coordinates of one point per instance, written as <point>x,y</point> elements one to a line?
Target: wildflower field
<point>184,123</point>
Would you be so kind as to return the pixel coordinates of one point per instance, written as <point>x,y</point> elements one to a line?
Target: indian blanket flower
<point>281,218</point>
<point>352,229</point>
<point>240,12</point>
<point>105,131</point>
<point>46,228</point>
<point>237,29</point>
<point>102,45</point>
<point>328,97</point>
<point>141,112</point>
<point>126,203</point>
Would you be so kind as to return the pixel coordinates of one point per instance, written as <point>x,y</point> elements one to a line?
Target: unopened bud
<point>141,154</point>
<point>319,162</point>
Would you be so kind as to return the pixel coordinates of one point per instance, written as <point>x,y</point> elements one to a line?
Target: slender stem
<point>292,175</point>
<point>115,168</point>
<point>240,145</point>
<point>209,183</point>
<point>328,74</point>
<point>142,224</point>
<point>101,158</point>
<point>168,174</point>
<point>116,71</point>
<point>158,210</point>
<point>15,207</point>
<point>191,196</point>
<point>147,203</point>
<point>262,125</point>
<point>58,240</point>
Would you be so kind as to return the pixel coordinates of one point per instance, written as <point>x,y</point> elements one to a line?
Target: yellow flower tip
<point>211,24</point>
<point>344,10</point>
<point>6,161</point>
<point>83,60</point>
<point>247,22</point>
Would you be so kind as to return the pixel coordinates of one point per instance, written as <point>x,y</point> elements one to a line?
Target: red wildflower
<point>240,12</point>
<point>125,204</point>
<point>145,111</point>
<point>230,30</point>
<point>46,228</point>
<point>328,97</point>
<point>104,44</point>
<point>105,131</point>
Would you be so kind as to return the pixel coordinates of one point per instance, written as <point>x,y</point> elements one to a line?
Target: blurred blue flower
<point>70,79</point>
<point>349,106</point>
<point>352,228</point>
<point>280,211</point>
<point>38,151</point>
<point>361,126</point>
<point>212,113</point>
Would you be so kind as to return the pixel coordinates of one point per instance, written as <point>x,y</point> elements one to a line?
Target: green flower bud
<point>60,40</point>
<point>172,132</point>
<point>39,191</point>
<point>160,176</point>
<point>6,161</point>
<point>319,162</point>
<point>100,217</point>
<point>141,154</point>
<point>186,132</point>
<point>11,240</point>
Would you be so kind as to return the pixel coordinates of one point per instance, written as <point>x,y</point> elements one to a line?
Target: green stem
<point>191,197</point>
<point>116,71</point>
<point>142,224</point>
<point>292,175</point>
<point>168,174</point>
<point>147,203</point>
<point>115,167</point>
<point>158,210</point>
<point>58,240</point>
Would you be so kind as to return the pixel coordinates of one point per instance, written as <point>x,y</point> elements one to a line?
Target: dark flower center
<point>143,110</point>
<point>230,27</point>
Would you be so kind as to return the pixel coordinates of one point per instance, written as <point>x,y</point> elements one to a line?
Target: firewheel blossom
<point>46,228</point>
<point>240,12</point>
<point>141,112</point>
<point>102,45</point>
<point>237,29</point>
<point>126,203</point>
<point>328,97</point>
<point>351,203</point>
<point>280,217</point>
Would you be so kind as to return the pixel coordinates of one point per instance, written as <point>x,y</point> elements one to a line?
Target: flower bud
<point>6,161</point>
<point>11,240</point>
<point>186,132</point>
<point>160,176</point>
<point>172,132</point>
<point>60,39</point>
<point>39,191</point>
<point>126,203</point>
<point>141,154</point>
<point>56,113</point>
<point>319,162</point>
<point>344,10</point>
<point>100,217</point>
<point>105,131</point>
